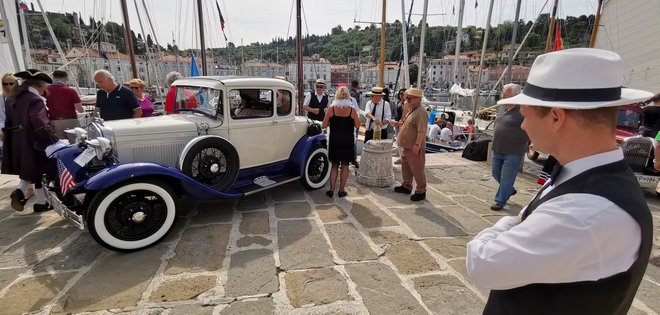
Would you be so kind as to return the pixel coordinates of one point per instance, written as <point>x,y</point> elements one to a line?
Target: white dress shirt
<point>3,115</point>
<point>433,131</point>
<point>308,98</point>
<point>382,105</point>
<point>569,238</point>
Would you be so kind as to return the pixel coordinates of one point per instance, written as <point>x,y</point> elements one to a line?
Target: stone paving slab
<point>445,294</point>
<point>282,251</point>
<point>252,272</point>
<point>381,290</point>
<point>301,245</point>
<point>200,249</point>
<point>316,287</point>
<point>349,243</point>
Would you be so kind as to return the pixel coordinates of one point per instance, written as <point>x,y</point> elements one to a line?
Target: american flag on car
<point>66,179</point>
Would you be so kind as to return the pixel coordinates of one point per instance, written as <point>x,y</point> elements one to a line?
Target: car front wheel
<point>131,216</point>
<point>317,168</point>
<point>213,162</point>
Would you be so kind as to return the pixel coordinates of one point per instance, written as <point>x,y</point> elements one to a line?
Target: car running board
<point>262,183</point>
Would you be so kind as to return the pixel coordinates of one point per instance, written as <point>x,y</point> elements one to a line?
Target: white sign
<point>85,156</point>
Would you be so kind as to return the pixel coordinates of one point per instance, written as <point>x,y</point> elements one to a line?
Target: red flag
<point>22,6</point>
<point>222,20</point>
<point>559,45</point>
<point>453,10</point>
<point>476,4</point>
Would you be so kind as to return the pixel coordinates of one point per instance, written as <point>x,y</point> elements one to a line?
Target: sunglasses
<point>320,86</point>
<point>135,87</point>
<point>8,83</point>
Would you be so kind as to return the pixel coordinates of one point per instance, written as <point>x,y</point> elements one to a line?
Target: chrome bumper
<point>62,209</point>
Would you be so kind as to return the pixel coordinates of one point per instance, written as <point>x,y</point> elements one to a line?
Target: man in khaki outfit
<point>412,141</point>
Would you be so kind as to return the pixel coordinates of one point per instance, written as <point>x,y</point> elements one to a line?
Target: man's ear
<point>558,116</point>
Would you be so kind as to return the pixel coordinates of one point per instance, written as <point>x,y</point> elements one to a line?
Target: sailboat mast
<point>421,45</point>
<point>57,43</point>
<point>481,63</point>
<point>129,38</point>
<point>382,46</point>
<point>10,38</point>
<point>594,31</point>
<point>26,40</point>
<point>459,35</point>
<point>200,15</point>
<point>513,42</point>
<point>404,32</point>
<point>552,26</point>
<point>299,50</point>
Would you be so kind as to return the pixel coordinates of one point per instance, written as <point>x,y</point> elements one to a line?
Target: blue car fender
<point>118,173</point>
<point>301,151</point>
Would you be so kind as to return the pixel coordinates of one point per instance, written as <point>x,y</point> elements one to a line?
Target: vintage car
<point>232,137</point>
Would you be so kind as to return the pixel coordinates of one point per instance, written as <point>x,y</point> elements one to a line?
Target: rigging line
<point>288,28</point>
<point>307,29</point>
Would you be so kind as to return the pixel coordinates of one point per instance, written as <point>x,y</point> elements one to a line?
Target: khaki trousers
<point>412,167</point>
<point>59,125</point>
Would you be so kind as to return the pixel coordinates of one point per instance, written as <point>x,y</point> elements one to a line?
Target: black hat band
<point>572,95</point>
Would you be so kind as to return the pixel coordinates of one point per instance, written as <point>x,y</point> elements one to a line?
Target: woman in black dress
<point>342,119</point>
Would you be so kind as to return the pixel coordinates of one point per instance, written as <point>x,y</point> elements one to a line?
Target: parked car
<point>232,137</point>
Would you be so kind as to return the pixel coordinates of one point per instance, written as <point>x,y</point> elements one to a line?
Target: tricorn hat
<point>34,74</point>
<point>579,78</point>
<point>376,90</point>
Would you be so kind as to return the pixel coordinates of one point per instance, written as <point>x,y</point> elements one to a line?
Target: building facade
<point>314,68</point>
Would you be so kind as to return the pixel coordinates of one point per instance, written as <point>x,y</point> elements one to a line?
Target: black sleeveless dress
<point>341,148</point>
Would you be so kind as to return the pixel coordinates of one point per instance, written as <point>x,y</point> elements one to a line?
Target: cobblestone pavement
<point>286,251</point>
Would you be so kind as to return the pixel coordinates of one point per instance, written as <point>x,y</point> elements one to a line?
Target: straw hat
<point>579,78</point>
<point>376,90</point>
<point>414,92</point>
<point>320,81</point>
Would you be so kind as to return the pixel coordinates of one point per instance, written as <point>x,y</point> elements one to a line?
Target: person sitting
<point>447,134</point>
<point>434,130</point>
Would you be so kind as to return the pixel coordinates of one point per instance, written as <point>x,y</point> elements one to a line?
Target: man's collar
<point>578,166</point>
<point>117,88</point>
<point>58,82</point>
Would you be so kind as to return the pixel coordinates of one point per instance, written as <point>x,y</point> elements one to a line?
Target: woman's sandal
<point>330,193</point>
<point>342,194</point>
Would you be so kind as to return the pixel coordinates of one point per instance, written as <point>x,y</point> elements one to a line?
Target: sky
<point>251,21</point>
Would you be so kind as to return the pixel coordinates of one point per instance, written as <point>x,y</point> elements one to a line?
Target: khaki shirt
<point>415,122</point>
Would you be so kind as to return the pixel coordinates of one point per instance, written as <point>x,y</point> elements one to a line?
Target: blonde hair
<point>343,94</point>
<point>136,81</point>
<point>8,75</point>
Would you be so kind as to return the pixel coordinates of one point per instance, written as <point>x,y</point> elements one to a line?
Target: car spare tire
<point>213,162</point>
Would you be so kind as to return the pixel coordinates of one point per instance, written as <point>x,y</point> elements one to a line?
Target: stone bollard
<point>376,164</point>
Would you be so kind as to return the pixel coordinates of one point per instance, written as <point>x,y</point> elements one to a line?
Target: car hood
<point>168,124</point>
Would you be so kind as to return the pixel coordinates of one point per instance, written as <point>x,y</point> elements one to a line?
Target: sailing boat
<point>630,29</point>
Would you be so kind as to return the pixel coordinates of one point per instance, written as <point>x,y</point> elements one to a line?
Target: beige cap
<point>414,92</point>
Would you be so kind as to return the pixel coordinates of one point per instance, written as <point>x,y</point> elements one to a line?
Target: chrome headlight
<point>79,133</point>
<point>97,130</point>
<point>101,145</point>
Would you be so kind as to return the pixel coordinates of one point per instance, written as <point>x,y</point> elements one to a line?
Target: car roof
<point>232,81</point>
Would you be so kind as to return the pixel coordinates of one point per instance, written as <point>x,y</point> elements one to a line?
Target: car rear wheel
<point>317,168</point>
<point>131,216</point>
<point>213,162</point>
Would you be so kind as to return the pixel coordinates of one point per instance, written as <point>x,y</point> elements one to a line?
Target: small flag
<point>22,6</point>
<point>193,67</point>
<point>453,10</point>
<point>66,179</point>
<point>559,44</point>
<point>222,20</point>
<point>476,4</point>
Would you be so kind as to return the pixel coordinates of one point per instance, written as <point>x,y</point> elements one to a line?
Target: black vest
<point>322,105</point>
<point>611,295</point>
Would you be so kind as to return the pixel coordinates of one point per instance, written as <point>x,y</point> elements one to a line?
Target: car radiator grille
<point>166,153</point>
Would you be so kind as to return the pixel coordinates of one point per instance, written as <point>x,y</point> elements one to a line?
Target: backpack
<point>476,150</point>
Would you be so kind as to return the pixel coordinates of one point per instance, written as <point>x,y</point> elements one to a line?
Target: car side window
<point>251,103</point>
<point>283,101</point>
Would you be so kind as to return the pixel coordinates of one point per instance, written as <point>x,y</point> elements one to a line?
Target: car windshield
<point>201,99</point>
<point>628,118</point>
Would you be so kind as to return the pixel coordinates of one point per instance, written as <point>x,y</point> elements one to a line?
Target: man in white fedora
<point>581,246</point>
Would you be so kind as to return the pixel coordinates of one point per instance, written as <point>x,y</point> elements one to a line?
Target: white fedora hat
<point>579,78</point>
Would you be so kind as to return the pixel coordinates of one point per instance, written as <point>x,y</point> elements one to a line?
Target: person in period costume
<point>63,104</point>
<point>27,134</point>
<point>316,102</point>
<point>509,147</point>
<point>412,143</point>
<point>114,101</point>
<point>581,246</point>
<point>342,119</point>
<point>378,113</point>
